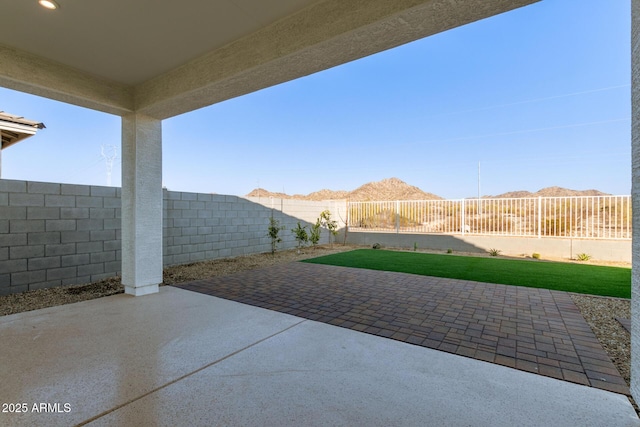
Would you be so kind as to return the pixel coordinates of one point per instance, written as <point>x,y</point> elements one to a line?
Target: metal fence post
<point>539,217</point>
<point>462,217</point>
<point>397,216</point>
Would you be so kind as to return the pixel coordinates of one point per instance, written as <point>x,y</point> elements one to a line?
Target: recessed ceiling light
<point>49,4</point>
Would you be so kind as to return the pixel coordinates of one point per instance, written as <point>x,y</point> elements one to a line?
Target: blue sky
<point>539,96</point>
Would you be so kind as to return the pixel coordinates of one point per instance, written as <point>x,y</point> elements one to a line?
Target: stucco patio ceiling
<point>162,58</point>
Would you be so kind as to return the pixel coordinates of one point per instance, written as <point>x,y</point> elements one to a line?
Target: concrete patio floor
<point>185,358</point>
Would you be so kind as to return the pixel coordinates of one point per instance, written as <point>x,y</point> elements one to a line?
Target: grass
<point>579,278</point>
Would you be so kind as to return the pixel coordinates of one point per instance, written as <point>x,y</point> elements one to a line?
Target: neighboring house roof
<point>16,128</point>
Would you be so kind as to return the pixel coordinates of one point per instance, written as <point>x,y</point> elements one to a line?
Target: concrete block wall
<point>289,212</point>
<point>60,234</point>
<point>201,227</point>
<point>57,234</point>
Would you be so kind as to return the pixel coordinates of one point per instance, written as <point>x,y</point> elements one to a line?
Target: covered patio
<point>133,361</point>
<point>168,58</point>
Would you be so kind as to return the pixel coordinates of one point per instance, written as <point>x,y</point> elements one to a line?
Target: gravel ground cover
<point>599,312</point>
<point>43,298</point>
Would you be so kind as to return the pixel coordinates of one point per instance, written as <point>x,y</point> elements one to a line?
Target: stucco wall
<point>635,198</point>
<point>59,234</point>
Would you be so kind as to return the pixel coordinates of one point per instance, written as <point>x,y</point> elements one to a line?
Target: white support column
<point>141,204</point>
<point>635,198</point>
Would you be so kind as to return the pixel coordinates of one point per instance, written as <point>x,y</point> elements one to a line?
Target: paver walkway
<point>534,330</point>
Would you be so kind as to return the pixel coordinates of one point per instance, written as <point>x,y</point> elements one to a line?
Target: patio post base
<point>138,291</point>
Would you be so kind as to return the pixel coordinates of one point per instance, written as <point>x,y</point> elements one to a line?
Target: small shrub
<point>274,229</point>
<point>376,246</point>
<point>494,252</point>
<point>449,251</point>
<point>583,257</point>
<point>331,225</point>
<point>535,255</point>
<point>314,233</point>
<point>302,237</point>
<point>415,246</point>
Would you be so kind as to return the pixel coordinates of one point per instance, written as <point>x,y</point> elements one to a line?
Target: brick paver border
<point>534,330</point>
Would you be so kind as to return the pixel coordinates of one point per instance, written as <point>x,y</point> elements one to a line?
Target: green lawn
<point>580,278</point>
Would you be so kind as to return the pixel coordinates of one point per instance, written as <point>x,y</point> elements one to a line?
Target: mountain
<point>387,189</point>
<point>316,195</point>
<point>512,195</point>
<point>551,192</point>
<point>390,189</point>
<point>261,192</point>
<point>396,189</point>
<point>328,195</point>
